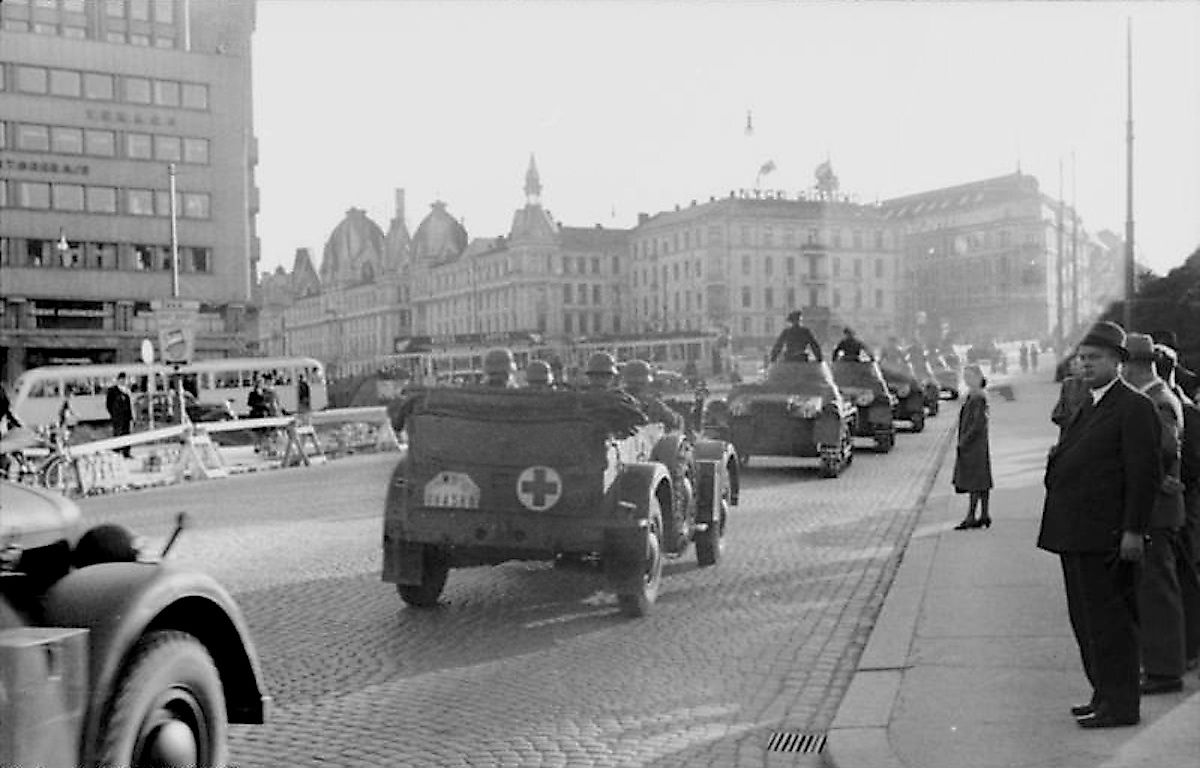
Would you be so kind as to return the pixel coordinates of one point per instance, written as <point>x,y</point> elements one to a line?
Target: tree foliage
<point>1169,303</point>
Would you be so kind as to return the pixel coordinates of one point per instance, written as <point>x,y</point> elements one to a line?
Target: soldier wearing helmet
<point>795,341</point>
<point>601,371</point>
<point>538,375</point>
<point>499,368</point>
<point>636,379</point>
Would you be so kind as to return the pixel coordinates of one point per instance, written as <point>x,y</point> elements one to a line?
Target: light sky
<point>638,106</point>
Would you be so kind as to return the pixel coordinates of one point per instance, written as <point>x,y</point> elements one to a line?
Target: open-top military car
<point>797,410</point>
<point>909,393</point>
<point>861,382</point>
<point>493,475</point>
<point>106,657</point>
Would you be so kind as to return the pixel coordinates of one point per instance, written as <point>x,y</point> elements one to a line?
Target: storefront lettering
<point>118,116</point>
<point>46,166</point>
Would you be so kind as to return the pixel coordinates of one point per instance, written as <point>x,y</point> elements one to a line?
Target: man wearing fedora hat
<point>1101,481</point>
<point>795,341</point>
<point>1166,565</point>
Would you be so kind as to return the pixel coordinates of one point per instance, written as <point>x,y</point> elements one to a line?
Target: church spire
<point>533,183</point>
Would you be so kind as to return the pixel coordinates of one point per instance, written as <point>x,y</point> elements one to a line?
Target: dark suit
<point>794,342</point>
<point>120,411</point>
<point>1101,481</point>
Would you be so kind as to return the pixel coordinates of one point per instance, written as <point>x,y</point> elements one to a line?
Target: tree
<point>1171,302</point>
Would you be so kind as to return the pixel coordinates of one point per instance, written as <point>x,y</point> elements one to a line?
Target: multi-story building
<point>997,259</point>
<point>97,100</point>
<point>742,262</point>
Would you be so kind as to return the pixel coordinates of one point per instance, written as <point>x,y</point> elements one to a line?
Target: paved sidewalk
<point>971,663</point>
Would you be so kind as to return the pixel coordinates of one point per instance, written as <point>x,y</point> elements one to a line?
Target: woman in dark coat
<point>973,461</point>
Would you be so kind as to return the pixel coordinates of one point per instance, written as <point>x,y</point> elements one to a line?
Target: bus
<point>39,392</point>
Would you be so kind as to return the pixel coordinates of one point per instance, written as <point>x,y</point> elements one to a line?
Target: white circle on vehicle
<point>539,488</point>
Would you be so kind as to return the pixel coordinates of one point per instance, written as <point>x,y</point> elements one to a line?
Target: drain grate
<point>797,741</point>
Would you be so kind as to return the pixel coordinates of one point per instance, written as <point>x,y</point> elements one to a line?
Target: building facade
<point>97,101</point>
<point>741,263</point>
<point>998,259</point>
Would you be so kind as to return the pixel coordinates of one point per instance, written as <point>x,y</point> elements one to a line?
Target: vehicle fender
<point>625,545</point>
<point>120,602</point>
<point>828,427</point>
<point>671,449</point>
<point>726,456</point>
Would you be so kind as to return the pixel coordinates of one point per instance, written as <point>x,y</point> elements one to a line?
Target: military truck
<point>108,656</point>
<point>493,475</point>
<point>862,383</point>
<point>797,410</point>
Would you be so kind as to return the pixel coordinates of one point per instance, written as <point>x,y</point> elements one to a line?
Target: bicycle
<point>56,469</point>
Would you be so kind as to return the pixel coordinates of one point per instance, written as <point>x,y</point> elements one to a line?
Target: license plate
<point>452,489</point>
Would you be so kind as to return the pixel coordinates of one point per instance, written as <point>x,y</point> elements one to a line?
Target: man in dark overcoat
<point>1101,481</point>
<point>120,409</point>
<point>795,341</point>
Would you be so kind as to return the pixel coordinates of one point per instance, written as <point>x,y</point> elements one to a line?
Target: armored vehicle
<point>493,475</point>
<point>909,393</point>
<point>108,658</point>
<point>930,388</point>
<point>948,374</point>
<point>797,410</point>
<point>862,383</point>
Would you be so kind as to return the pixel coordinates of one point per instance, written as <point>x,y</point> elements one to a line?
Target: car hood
<point>33,517</point>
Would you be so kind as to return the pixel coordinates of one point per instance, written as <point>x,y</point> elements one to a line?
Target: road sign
<point>176,323</point>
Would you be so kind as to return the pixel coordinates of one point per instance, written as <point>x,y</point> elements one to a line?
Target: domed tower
<point>532,223</point>
<point>354,252</point>
<point>397,242</point>
<point>439,236</point>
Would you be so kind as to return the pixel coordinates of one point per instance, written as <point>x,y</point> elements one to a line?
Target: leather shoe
<point>1154,685</point>
<point>1083,710</point>
<point>1105,720</point>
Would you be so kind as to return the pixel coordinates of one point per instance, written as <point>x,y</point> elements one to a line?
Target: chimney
<point>400,204</point>
<point>643,218</point>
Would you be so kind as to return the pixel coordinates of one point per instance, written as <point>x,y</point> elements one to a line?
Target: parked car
<point>166,408</point>
<point>109,656</point>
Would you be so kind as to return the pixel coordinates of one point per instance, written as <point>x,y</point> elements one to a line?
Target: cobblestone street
<point>529,665</point>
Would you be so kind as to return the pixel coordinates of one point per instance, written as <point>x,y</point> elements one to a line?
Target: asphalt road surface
<point>528,665</point>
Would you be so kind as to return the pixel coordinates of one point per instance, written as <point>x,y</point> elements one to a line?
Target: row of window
<point>96,142</point>
<point>139,10</point>
<point>51,196</point>
<point>765,237</point>
<point>101,86</point>
<point>790,298</point>
<point>582,323</point>
<point>579,294</point>
<point>138,257</point>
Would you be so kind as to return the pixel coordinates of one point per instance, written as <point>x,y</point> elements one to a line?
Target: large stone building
<point>982,260</point>
<point>742,262</point>
<point>96,100</point>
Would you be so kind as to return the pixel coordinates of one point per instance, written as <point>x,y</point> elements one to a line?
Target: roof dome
<point>354,251</point>
<point>439,236</point>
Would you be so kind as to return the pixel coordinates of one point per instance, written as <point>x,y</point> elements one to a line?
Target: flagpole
<point>1129,276</point>
<point>1074,249</point>
<point>1058,265</point>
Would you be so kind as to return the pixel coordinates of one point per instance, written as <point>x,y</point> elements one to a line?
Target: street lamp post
<point>174,233</point>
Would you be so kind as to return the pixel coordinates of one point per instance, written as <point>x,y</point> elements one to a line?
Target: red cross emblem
<point>539,488</point>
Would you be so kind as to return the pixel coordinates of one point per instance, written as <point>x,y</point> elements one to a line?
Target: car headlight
<point>804,407</point>
<point>865,398</point>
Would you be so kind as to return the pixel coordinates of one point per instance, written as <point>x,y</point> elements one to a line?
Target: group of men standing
<point>1122,511</point>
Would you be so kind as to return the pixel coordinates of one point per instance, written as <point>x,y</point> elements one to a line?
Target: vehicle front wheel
<point>711,543</point>
<point>434,571</point>
<point>831,460</point>
<point>637,603</point>
<point>62,477</point>
<point>169,707</point>
<point>885,439</point>
<point>918,422</point>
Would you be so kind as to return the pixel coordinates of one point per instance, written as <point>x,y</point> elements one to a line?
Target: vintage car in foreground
<point>909,393</point>
<point>107,657</point>
<point>862,383</point>
<point>493,475</point>
<point>796,410</point>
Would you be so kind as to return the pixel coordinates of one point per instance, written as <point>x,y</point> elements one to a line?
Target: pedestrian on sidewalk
<point>119,402</point>
<point>1160,597</point>
<point>1033,356</point>
<point>973,460</point>
<point>1101,480</point>
<point>1023,356</point>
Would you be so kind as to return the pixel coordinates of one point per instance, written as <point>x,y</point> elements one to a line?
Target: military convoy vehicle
<point>797,410</point>
<point>862,383</point>
<point>930,388</point>
<point>909,392</point>
<point>948,373</point>
<point>107,656</point>
<point>493,475</point>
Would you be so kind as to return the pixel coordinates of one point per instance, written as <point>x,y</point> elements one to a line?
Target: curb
<point>858,736</point>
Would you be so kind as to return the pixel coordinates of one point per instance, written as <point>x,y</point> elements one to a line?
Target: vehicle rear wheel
<point>918,422</point>
<point>885,440</point>
<point>934,405</point>
<point>434,571</point>
<point>169,707</point>
<point>711,543</point>
<point>637,603</point>
<point>831,460</point>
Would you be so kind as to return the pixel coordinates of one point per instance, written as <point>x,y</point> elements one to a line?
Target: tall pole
<point>174,234</point>
<point>1058,266</point>
<point>1129,278</point>
<point>1074,250</point>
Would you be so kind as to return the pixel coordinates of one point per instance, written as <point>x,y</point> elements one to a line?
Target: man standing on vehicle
<point>795,341</point>
<point>120,409</point>
<point>499,368</point>
<point>849,347</point>
<point>636,380</point>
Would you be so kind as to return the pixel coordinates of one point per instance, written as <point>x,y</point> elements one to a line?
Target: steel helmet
<point>637,372</point>
<point>538,372</point>
<point>601,363</point>
<point>499,360</point>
